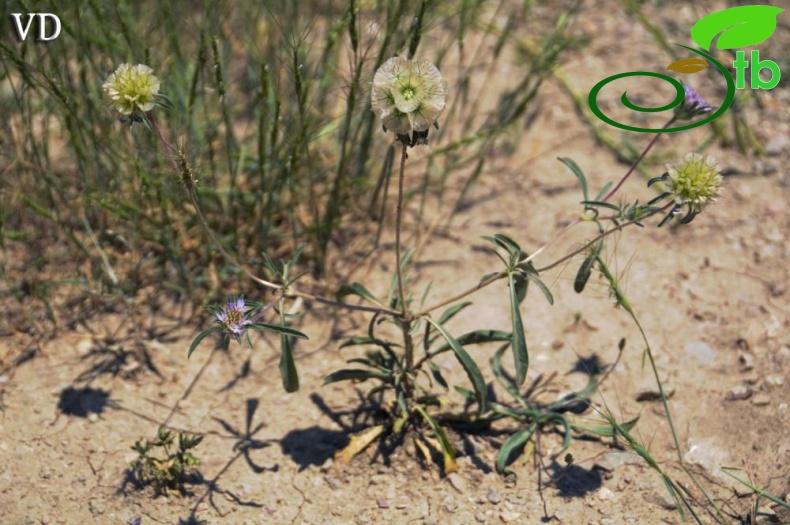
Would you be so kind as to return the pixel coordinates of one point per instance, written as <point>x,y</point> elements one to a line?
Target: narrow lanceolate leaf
<point>356,374</point>
<point>202,335</point>
<point>448,452</point>
<point>542,286</point>
<point>471,368</point>
<point>519,344</point>
<point>450,312</point>
<point>578,172</point>
<point>288,366</point>
<point>357,289</point>
<point>502,379</point>
<point>282,330</point>
<point>603,430</point>
<point>513,444</point>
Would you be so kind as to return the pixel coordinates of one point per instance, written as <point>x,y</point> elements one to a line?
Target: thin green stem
<point>401,295</point>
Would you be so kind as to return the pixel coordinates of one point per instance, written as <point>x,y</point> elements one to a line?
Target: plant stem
<point>401,295</point>
<point>636,162</point>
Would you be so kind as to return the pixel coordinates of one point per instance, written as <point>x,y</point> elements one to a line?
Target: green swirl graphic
<point>676,102</point>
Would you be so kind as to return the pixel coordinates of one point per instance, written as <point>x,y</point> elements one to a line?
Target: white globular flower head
<point>694,180</point>
<point>408,96</point>
<point>132,88</point>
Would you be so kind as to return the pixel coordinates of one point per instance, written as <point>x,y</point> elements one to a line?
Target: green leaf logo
<point>741,26</point>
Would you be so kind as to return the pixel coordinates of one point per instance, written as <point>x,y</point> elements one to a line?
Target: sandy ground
<point>712,297</point>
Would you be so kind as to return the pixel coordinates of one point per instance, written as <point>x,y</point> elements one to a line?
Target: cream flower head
<point>694,180</point>
<point>408,96</point>
<point>132,89</point>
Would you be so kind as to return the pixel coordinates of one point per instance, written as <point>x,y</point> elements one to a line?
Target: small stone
<point>457,482</point>
<point>739,393</point>
<point>761,400</point>
<point>494,496</point>
<point>383,503</point>
<point>450,504</point>
<point>774,380</point>
<point>480,516</point>
<point>702,352</point>
<point>604,494</point>
<point>777,144</point>
<point>745,362</point>
<point>333,483</point>
<point>96,507</point>
<point>612,460</point>
<point>508,516</point>
<point>706,454</point>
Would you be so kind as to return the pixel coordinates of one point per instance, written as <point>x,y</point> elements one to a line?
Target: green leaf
<point>488,276</point>
<point>356,374</point>
<point>519,342</point>
<point>603,190</point>
<point>502,379</point>
<point>604,430</point>
<point>513,444</point>
<point>366,341</point>
<point>521,286</point>
<point>542,286</point>
<point>602,204</point>
<point>288,366</point>
<point>437,375</point>
<point>471,368</point>
<point>448,452</point>
<point>476,337</point>
<point>584,273</point>
<point>742,26</point>
<point>450,312</point>
<point>282,330</point>
<point>202,335</point>
<point>357,289</point>
<point>578,172</point>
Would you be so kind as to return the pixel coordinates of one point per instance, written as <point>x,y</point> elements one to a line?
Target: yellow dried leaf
<point>358,443</point>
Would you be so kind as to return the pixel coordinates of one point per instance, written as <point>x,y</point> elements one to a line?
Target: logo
<point>22,30</point>
<point>735,27</point>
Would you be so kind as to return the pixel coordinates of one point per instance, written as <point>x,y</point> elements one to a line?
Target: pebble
<point>494,496</point>
<point>745,362</point>
<point>612,460</point>
<point>509,516</point>
<point>702,352</point>
<point>96,507</point>
<point>707,455</point>
<point>774,380</point>
<point>457,482</point>
<point>761,400</point>
<point>739,393</point>
<point>383,503</point>
<point>605,494</point>
<point>777,144</point>
<point>450,504</point>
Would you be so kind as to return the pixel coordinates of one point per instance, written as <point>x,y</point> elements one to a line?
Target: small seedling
<point>163,468</point>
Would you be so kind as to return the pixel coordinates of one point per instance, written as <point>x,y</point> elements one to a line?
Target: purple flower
<point>693,104</point>
<point>232,317</point>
